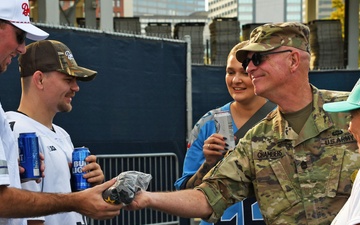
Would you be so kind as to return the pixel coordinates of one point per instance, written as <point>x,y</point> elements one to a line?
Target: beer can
<point>29,156</point>
<point>78,162</point>
<point>223,123</point>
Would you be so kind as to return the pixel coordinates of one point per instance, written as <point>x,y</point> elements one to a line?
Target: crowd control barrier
<point>163,168</point>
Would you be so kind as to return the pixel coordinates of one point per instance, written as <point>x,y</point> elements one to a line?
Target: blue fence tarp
<point>136,104</point>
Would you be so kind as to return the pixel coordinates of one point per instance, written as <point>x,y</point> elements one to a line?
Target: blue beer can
<point>29,156</point>
<point>78,162</point>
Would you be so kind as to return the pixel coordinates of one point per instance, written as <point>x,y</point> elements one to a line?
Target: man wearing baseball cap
<point>16,203</point>
<point>17,12</point>
<point>350,213</point>
<point>51,55</point>
<point>49,75</point>
<point>297,161</point>
<point>15,22</point>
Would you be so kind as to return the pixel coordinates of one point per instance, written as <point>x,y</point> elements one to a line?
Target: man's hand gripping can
<point>223,123</point>
<point>29,156</point>
<point>78,162</point>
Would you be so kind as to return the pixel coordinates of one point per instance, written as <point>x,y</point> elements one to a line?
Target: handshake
<point>126,186</point>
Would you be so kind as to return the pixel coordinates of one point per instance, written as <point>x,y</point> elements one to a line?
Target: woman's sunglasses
<point>257,58</point>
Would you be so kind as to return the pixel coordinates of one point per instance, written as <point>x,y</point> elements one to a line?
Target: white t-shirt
<point>9,167</point>
<point>57,149</point>
<point>350,212</point>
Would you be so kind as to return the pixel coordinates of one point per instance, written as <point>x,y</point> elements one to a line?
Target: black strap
<point>260,114</point>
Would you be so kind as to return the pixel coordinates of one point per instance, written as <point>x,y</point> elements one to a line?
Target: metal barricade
<point>163,167</point>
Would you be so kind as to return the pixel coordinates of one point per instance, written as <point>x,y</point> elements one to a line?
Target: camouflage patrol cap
<point>352,102</point>
<point>271,36</point>
<point>50,55</point>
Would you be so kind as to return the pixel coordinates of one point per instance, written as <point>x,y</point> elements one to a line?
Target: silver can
<point>223,123</point>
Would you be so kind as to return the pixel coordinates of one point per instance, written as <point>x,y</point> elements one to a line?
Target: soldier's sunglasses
<point>257,58</point>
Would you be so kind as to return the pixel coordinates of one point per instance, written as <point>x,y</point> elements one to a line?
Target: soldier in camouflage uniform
<point>298,161</point>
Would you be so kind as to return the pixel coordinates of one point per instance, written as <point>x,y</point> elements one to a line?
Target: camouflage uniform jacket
<point>297,178</point>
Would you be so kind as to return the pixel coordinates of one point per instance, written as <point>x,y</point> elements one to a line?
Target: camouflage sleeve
<point>230,181</point>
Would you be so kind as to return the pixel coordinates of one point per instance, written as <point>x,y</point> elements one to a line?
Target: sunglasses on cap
<point>257,58</point>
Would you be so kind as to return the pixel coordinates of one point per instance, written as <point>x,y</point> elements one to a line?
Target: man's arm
<point>213,149</point>
<point>19,203</point>
<point>188,203</point>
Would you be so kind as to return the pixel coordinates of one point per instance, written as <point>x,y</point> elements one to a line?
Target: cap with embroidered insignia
<point>51,55</point>
<point>17,12</point>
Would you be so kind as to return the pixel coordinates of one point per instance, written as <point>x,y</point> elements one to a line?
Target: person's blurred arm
<point>34,185</point>
<point>194,159</point>
<point>213,149</point>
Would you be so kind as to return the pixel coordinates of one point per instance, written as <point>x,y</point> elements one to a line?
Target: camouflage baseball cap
<point>271,36</point>
<point>352,103</point>
<point>50,55</point>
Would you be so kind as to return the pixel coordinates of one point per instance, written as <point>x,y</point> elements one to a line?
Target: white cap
<point>18,13</point>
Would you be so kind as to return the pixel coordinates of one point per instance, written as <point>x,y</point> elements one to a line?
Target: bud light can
<point>78,162</point>
<point>29,156</point>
